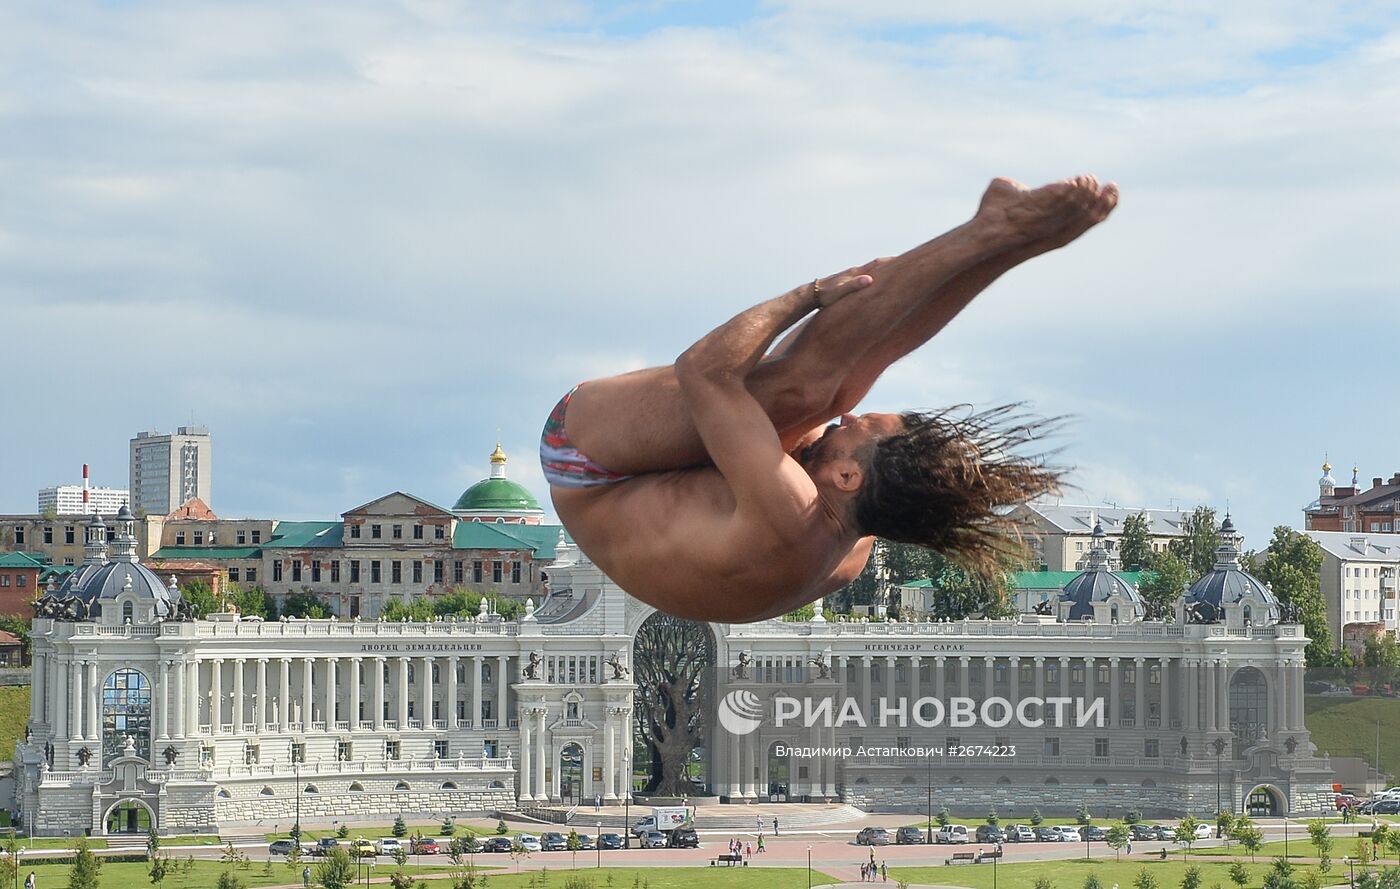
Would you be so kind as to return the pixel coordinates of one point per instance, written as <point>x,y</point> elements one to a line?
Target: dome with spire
<point>1327,484</point>
<point>110,577</point>
<point>1228,585</point>
<point>1098,585</point>
<point>498,498</point>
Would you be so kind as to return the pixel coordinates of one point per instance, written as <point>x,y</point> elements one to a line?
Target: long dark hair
<point>946,482</point>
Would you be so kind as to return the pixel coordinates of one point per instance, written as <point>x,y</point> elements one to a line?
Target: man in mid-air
<point>714,490</point>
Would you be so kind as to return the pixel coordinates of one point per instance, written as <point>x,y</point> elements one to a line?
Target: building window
<point>396,571</point>
<point>19,535</point>
<point>949,743</point>
<point>476,571</point>
<point>375,532</point>
<point>241,538</point>
<point>417,532</point>
<point>489,747</point>
<point>440,750</point>
<point>179,538</point>
<point>417,571</point>
<point>1151,747</point>
<point>233,574</point>
<point>342,751</point>
<point>296,570</point>
<point>374,573</point>
<point>126,712</point>
<point>495,572</point>
<point>257,536</point>
<point>48,534</point>
<point>298,752</point>
<point>4,580</point>
<point>251,575</point>
<point>199,538</point>
<point>515,572</point>
<point>1101,747</point>
<point>391,749</point>
<point>439,532</point>
<point>315,570</point>
<point>68,534</point>
<point>354,570</point>
<point>354,532</point>
<point>250,755</point>
<point>398,532</point>
<point>276,570</point>
<point>437,571</point>
<point>1051,747</point>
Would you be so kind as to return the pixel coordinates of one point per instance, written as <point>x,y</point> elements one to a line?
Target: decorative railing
<point>313,628</point>
<point>366,766</point>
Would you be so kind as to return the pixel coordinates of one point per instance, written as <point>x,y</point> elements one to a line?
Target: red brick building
<point>19,583</point>
<point>1373,511</point>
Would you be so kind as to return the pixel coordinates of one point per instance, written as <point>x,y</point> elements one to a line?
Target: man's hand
<point>833,288</point>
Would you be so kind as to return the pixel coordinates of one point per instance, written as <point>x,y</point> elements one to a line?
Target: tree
<point>160,869</point>
<point>1164,585</point>
<point>1092,882</point>
<point>200,596</point>
<point>1225,826</point>
<point>449,827</point>
<point>1144,880</point>
<point>1186,832</point>
<point>1239,874</point>
<point>1292,569</point>
<point>304,604</point>
<point>1198,542</point>
<point>944,817</point>
<point>343,831</point>
<point>1321,836</point>
<point>573,844</point>
<point>1042,883</point>
<point>992,817</point>
<point>294,856</point>
<point>1249,836</point>
<point>673,657</point>
<point>501,828</point>
<point>400,828</point>
<point>1117,838</point>
<point>335,870</point>
<point>1392,843</point>
<point>1036,818</point>
<point>229,880</point>
<point>1135,544</point>
<point>1082,816</point>
<point>1191,878</point>
<point>1280,876</point>
<point>86,866</point>
<point>12,849</point>
<point>252,602</point>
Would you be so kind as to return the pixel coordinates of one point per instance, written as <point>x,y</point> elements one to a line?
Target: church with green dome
<point>498,499</point>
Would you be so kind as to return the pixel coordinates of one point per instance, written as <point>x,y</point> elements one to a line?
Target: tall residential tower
<point>167,470</point>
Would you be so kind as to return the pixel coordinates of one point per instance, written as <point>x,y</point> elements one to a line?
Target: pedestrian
<point>775,825</point>
<point>1130,847</point>
<point>862,871</point>
<point>884,872</point>
<point>30,882</point>
<point>758,823</point>
<point>306,876</point>
<point>597,802</point>
<point>760,842</point>
<point>748,850</point>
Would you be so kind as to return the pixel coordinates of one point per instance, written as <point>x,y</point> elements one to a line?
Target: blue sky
<point>356,239</point>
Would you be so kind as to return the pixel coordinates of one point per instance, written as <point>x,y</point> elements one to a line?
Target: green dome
<point>496,495</point>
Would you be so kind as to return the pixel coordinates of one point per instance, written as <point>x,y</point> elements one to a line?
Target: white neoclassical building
<point>141,713</point>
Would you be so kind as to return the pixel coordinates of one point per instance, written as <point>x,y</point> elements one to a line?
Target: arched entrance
<point>128,816</point>
<point>1249,707</point>
<point>779,777</point>
<point>571,773</point>
<point>1264,801</point>
<point>674,669</point>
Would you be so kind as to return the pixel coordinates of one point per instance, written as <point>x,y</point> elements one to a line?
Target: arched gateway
<point>675,676</point>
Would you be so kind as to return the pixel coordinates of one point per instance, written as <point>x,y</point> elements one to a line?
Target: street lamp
<point>1219,754</point>
<point>296,826</point>
<point>809,866</point>
<point>928,828</point>
<point>599,844</point>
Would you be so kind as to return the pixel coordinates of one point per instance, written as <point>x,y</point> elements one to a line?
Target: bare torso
<point>671,540</point>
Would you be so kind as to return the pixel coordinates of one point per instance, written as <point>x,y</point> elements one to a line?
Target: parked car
<point>1047,835</point>
<point>529,842</point>
<point>553,841</point>
<point>1092,833</point>
<point>426,846</point>
<point>951,833</point>
<point>389,845</point>
<point>362,848</point>
<point>990,833</point>
<point>1069,834</point>
<point>1142,832</point>
<point>1205,831</point>
<point>496,844</point>
<point>585,842</point>
<point>653,839</point>
<point>1019,833</point>
<point>909,835</point>
<point>325,844</point>
<point>1162,832</point>
<point>1386,807</point>
<point>610,841</point>
<point>683,838</point>
<point>281,847</point>
<point>873,836</point>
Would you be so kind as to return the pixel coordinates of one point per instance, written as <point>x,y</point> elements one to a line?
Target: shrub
<point>400,828</point>
<point>1144,880</point>
<point>1082,816</point>
<point>1036,818</point>
<point>992,816</point>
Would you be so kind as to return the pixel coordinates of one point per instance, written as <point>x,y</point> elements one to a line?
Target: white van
<point>952,833</point>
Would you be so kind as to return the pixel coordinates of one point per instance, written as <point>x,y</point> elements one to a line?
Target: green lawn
<point>1071,874</point>
<point>205,873</point>
<point>14,713</point>
<point>1347,727</point>
<point>1298,847</point>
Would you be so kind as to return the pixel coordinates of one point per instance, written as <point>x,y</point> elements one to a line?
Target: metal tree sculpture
<point>672,659</point>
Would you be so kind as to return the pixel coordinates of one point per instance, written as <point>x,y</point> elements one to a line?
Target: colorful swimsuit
<point>562,463</point>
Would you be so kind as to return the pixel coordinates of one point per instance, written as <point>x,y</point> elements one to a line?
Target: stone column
<point>609,755</point>
<point>450,704</point>
<point>177,704</point>
<point>260,705</point>
<point>38,664</point>
<point>1212,709</point>
<point>502,697</point>
<point>380,665</point>
<point>332,693</point>
<point>356,666</point>
<point>1064,677</point>
<point>964,668</point>
<point>891,694</point>
<point>216,696</point>
<point>238,665</point>
<point>425,690</point>
<point>94,724</point>
<point>736,787</point>
<point>524,764</point>
<point>474,711</point>
<point>60,712</point>
<point>1280,707</point>
<point>1140,686</point>
<point>75,700</point>
<point>307,690</point>
<point>1190,695</point>
<point>403,693</point>
<point>1088,681</point>
<point>191,668</point>
<point>1115,693</point>
<point>163,700</point>
<point>746,759</point>
<point>989,677</point>
<point>829,788</point>
<point>1014,681</point>
<point>916,663</point>
<point>1040,677</point>
<point>867,706</point>
<point>1164,691</point>
<point>1295,694</point>
<point>542,770</point>
<point>284,694</point>
<point>939,675</point>
<point>1222,694</point>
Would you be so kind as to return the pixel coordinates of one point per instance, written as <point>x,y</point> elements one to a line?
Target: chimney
<point>1395,479</point>
<point>85,489</point>
<point>1376,482</point>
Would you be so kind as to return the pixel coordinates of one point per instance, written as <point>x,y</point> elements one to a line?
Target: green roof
<point>306,535</point>
<point>208,552</point>
<point>496,494</point>
<point>19,560</point>
<point>539,539</point>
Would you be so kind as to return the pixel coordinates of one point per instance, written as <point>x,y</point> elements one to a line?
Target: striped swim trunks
<point>562,463</point>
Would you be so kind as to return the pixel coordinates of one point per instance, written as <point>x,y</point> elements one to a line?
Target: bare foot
<point>1076,225</point>
<point>1011,212</point>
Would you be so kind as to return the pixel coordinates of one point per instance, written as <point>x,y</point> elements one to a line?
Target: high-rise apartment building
<point>167,470</point>
<point>81,499</point>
